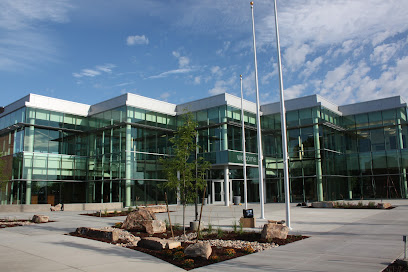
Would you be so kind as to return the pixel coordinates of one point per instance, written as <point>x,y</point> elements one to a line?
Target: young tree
<point>183,162</point>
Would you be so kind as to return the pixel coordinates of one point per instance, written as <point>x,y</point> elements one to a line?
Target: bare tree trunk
<point>184,207</point>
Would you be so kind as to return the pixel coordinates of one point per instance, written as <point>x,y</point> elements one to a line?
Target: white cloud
<point>295,56</point>
<point>321,22</point>
<point>384,52</point>
<point>98,70</point>
<point>183,61</point>
<point>172,72</point>
<point>312,66</point>
<point>222,86</point>
<point>215,69</point>
<point>197,80</point>
<point>337,75</point>
<point>164,96</point>
<point>22,14</point>
<point>24,43</point>
<point>224,49</point>
<point>294,91</point>
<point>132,40</point>
<point>107,68</point>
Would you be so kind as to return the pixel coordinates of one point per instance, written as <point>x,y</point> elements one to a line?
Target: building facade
<point>56,151</point>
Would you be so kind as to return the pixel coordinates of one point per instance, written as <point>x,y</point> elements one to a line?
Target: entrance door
<point>217,191</point>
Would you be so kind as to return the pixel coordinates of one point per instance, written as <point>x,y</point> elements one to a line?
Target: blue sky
<point>89,51</point>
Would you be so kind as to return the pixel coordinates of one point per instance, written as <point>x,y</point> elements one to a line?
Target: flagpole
<point>258,122</point>
<point>283,125</point>
<point>243,148</point>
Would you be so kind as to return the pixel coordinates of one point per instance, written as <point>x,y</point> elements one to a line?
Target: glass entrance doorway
<point>217,187</point>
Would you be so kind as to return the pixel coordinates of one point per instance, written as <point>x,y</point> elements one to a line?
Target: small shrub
<point>248,250</point>
<point>167,223</point>
<point>176,226</point>
<point>230,252</point>
<point>118,225</point>
<point>214,258</point>
<point>210,228</point>
<point>371,204</point>
<point>129,210</point>
<point>115,212</point>
<point>178,255</point>
<point>188,263</point>
<point>105,212</point>
<point>360,204</point>
<point>200,235</point>
<point>168,253</point>
<point>220,233</point>
<point>179,248</point>
<point>241,228</point>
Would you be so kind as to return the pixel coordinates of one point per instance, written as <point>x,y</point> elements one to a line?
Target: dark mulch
<point>168,256</point>
<point>396,267</point>
<point>198,261</point>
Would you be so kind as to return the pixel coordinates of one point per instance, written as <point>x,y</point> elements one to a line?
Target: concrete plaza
<point>341,240</point>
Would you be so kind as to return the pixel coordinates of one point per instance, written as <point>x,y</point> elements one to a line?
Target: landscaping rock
<point>156,243</point>
<point>38,218</point>
<point>157,209</point>
<point>110,235</point>
<point>272,230</point>
<point>57,207</point>
<point>134,219</point>
<point>200,249</point>
<point>384,205</point>
<point>154,226</point>
<point>172,244</point>
<point>323,204</point>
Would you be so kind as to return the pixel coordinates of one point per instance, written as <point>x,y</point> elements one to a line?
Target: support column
<point>128,193</point>
<point>350,188</point>
<point>30,148</point>
<point>318,160</point>
<point>224,144</point>
<point>226,186</point>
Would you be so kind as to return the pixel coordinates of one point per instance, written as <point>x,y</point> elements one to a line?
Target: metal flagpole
<point>258,122</point>
<point>243,148</point>
<point>283,125</point>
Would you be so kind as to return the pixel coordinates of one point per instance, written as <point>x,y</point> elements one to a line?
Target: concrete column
<point>226,186</point>
<point>224,144</point>
<point>128,193</point>
<point>30,148</point>
<point>350,188</point>
<point>319,179</point>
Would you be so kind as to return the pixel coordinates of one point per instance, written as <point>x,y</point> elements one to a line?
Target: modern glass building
<point>58,151</point>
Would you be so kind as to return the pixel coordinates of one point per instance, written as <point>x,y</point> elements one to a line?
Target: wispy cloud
<point>21,14</point>
<point>98,70</point>
<point>172,72</point>
<point>21,46</point>
<point>183,64</point>
<point>132,40</point>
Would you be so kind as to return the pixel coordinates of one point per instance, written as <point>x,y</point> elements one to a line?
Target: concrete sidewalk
<point>341,240</point>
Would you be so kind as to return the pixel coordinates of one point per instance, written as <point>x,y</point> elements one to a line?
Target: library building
<point>57,151</point>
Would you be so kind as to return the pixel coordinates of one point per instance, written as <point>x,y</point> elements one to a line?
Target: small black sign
<point>248,213</point>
